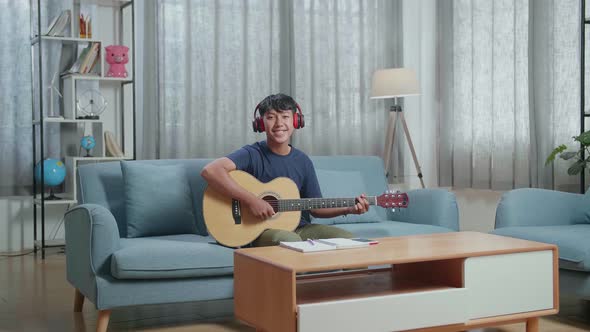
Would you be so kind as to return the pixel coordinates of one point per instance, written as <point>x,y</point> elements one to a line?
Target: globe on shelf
<point>54,174</point>
<point>87,143</point>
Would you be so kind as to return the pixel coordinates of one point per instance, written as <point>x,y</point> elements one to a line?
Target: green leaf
<point>554,153</point>
<point>568,155</point>
<point>576,168</point>
<point>584,138</point>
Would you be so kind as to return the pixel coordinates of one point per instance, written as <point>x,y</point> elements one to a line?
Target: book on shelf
<point>86,61</point>
<point>90,60</point>
<point>325,244</point>
<point>75,68</point>
<point>59,24</point>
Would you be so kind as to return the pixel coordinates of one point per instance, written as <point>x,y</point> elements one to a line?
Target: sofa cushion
<point>345,184</point>
<point>172,256</point>
<point>157,200</point>
<point>392,228</point>
<point>572,240</point>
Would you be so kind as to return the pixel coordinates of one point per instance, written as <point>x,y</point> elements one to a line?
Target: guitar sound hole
<point>273,201</point>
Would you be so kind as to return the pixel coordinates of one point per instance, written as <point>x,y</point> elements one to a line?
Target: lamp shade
<point>394,82</point>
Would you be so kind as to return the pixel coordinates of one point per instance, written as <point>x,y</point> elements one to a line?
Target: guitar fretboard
<point>318,203</point>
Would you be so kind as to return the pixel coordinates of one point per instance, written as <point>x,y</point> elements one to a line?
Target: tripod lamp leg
<point>418,169</point>
<point>389,140</point>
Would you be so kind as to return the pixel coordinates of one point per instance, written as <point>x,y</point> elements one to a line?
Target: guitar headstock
<point>393,199</point>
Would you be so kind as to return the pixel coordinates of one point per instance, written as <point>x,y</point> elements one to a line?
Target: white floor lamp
<point>396,83</point>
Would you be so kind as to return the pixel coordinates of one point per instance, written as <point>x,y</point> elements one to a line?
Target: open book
<point>324,244</point>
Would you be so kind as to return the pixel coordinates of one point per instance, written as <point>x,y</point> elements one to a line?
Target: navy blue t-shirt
<point>259,161</point>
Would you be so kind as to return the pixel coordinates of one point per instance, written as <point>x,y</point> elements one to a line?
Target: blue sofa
<point>112,270</point>
<point>555,217</point>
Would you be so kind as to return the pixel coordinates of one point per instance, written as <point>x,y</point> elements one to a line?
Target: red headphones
<point>258,122</point>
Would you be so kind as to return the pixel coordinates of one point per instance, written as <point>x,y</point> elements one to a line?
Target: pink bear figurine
<point>117,56</point>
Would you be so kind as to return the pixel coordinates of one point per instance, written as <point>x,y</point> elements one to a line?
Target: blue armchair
<point>552,217</point>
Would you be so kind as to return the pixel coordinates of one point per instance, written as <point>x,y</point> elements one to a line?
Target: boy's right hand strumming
<point>260,208</point>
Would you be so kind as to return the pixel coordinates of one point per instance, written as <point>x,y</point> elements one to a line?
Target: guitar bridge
<point>235,209</point>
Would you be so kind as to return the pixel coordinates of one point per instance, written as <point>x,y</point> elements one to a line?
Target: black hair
<point>278,102</point>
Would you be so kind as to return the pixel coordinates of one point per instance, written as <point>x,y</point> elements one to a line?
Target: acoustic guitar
<point>233,225</point>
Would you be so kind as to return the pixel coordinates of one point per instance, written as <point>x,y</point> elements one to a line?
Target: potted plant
<point>580,164</point>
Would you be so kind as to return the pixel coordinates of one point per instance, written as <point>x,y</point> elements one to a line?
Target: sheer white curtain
<point>509,87</point>
<point>555,73</point>
<point>16,151</point>
<point>420,52</point>
<point>499,81</point>
<point>337,46</point>
<point>217,59</point>
<point>15,98</point>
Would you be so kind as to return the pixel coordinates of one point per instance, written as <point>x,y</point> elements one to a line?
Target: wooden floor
<point>35,296</point>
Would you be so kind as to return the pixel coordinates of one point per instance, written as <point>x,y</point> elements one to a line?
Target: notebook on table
<point>324,244</point>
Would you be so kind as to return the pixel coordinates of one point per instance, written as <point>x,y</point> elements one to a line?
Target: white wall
<point>477,209</point>
<point>16,223</point>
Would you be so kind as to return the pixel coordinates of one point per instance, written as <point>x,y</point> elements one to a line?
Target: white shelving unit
<point>113,23</point>
<point>69,200</point>
<point>64,40</point>
<point>62,120</point>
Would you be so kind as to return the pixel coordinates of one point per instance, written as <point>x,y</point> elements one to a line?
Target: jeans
<point>272,237</point>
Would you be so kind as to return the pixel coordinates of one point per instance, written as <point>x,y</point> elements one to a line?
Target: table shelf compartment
<point>354,285</point>
<point>384,306</point>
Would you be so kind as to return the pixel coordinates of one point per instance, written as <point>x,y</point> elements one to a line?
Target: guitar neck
<point>319,203</point>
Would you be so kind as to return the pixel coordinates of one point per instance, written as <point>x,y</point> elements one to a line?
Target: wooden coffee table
<point>441,282</point>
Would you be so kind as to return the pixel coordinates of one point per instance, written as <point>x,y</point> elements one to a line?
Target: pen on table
<point>311,241</point>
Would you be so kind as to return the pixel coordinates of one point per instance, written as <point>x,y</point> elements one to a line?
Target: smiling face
<point>278,126</point>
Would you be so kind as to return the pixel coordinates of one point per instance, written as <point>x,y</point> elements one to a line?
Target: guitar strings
<point>327,201</point>
<point>315,203</point>
<point>321,203</point>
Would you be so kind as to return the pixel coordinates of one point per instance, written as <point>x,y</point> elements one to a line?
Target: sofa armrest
<point>91,237</point>
<point>437,207</point>
<point>539,207</point>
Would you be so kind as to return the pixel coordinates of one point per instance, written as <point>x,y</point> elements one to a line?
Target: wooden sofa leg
<point>103,320</point>
<point>78,301</point>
